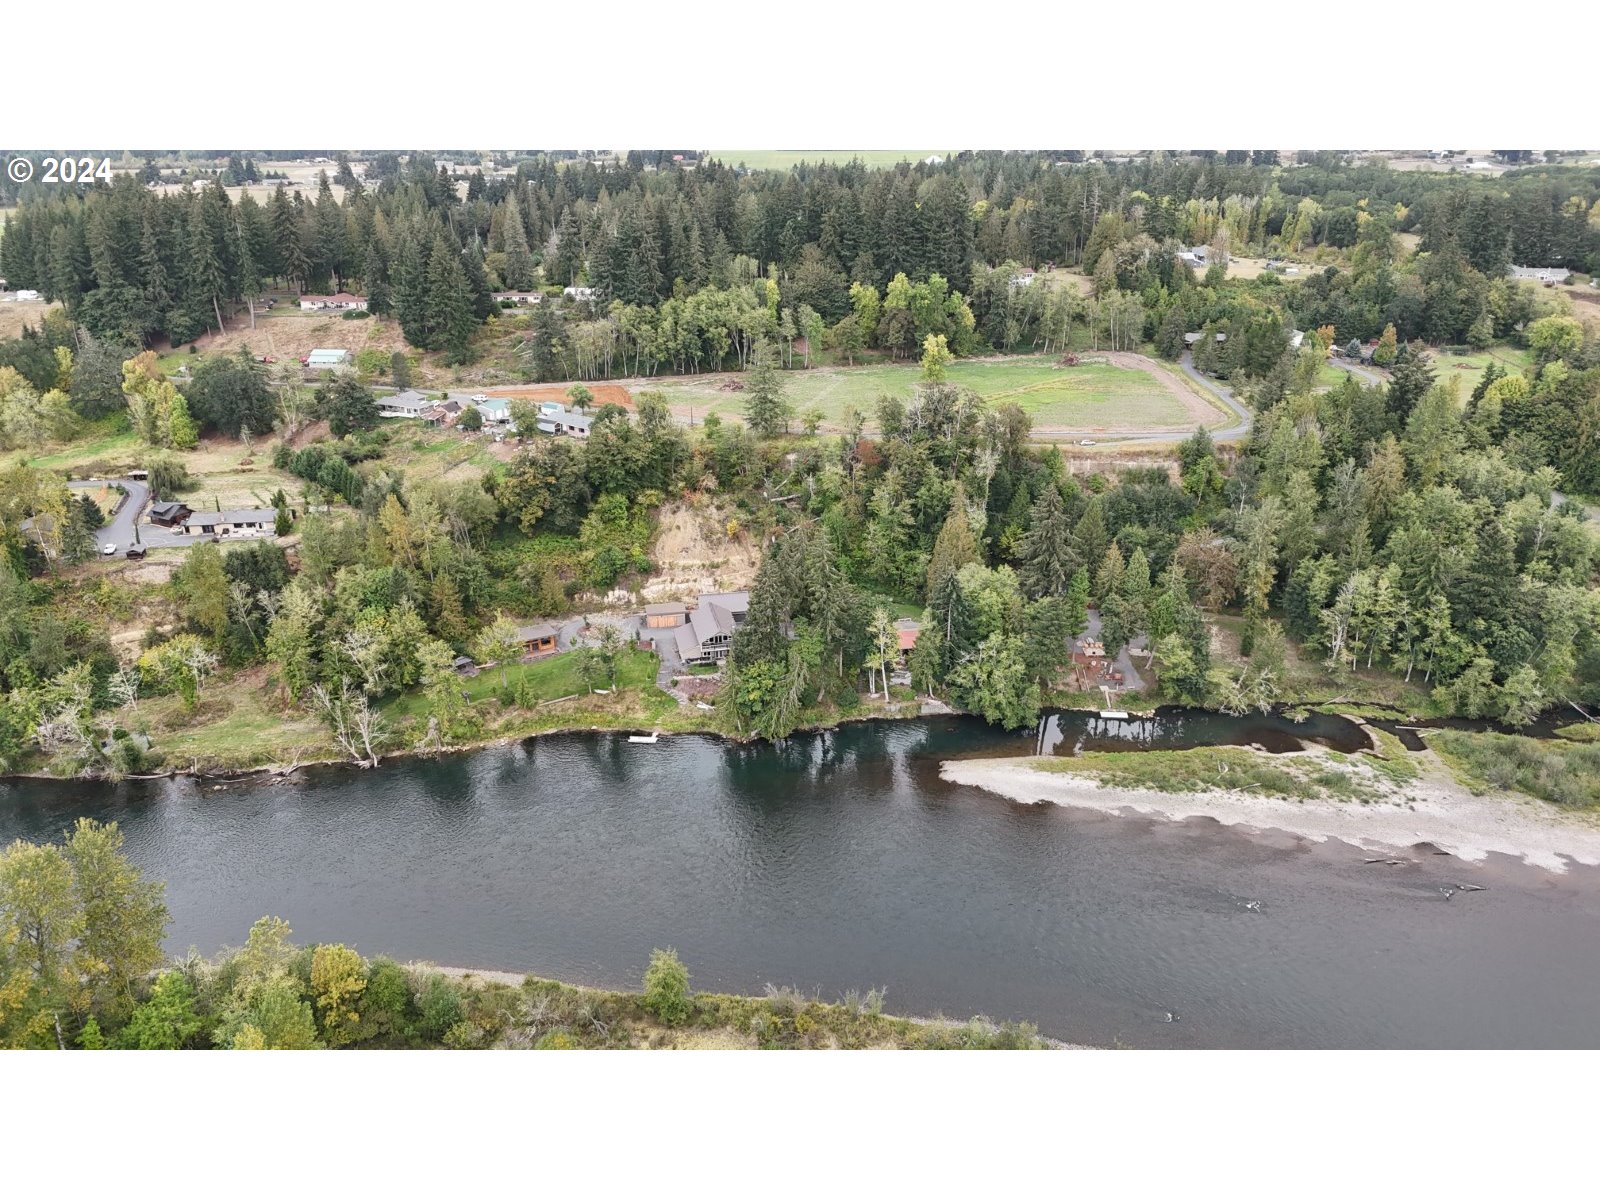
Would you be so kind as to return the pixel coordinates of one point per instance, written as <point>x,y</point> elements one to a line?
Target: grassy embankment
<point>1319,775</point>
<point>572,1018</point>
<point>1564,770</point>
<point>242,722</point>
<point>1309,682</point>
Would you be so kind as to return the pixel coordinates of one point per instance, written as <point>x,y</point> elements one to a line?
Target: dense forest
<point>690,268</point>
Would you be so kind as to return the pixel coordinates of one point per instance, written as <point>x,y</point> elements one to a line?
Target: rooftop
<point>409,400</point>
<point>235,516</point>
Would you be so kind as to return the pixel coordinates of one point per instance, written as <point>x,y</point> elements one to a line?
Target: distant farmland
<point>782,160</point>
<point>1090,397</point>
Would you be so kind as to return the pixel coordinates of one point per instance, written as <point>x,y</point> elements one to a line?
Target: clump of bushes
<point>1560,771</point>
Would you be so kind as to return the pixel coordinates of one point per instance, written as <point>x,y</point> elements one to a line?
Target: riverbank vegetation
<point>1313,775</point>
<point>81,967</point>
<point>1562,771</point>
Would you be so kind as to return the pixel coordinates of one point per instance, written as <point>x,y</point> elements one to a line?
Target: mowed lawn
<point>549,678</point>
<point>1091,396</point>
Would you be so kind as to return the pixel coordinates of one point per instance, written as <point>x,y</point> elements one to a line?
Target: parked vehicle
<point>108,549</point>
<point>135,551</point>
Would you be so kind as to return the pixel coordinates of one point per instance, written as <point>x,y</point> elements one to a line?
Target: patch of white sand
<point>1451,818</point>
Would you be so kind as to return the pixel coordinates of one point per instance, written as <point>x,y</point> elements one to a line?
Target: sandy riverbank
<point>1449,817</point>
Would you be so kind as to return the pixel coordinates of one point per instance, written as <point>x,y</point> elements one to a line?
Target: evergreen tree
<point>1047,558</point>
<point>1090,535</point>
<point>451,320</point>
<point>1108,579</point>
<point>518,271</point>
<point>767,410</point>
<point>1047,639</point>
<point>1409,380</point>
<point>955,545</point>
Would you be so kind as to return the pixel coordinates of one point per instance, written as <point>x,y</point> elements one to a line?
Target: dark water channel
<point>842,860</point>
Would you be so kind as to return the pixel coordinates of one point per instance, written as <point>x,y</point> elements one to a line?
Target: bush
<point>666,987</point>
<point>356,314</point>
<point>1559,771</point>
<point>387,1009</point>
<point>439,1006</point>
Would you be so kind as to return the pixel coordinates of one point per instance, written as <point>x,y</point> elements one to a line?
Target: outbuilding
<point>539,638</point>
<point>665,616</point>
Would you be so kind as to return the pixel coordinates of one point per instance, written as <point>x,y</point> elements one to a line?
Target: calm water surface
<point>841,860</point>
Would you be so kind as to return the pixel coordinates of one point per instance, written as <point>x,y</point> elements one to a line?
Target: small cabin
<point>538,638</point>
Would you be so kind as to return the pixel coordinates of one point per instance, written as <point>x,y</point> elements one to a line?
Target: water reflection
<point>841,860</point>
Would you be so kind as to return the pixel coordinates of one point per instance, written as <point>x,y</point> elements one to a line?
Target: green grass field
<point>782,160</point>
<point>544,679</point>
<point>1092,396</point>
<point>1469,368</point>
<point>119,444</point>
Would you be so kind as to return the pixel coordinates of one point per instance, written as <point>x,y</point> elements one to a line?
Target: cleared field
<point>14,314</point>
<point>114,446</point>
<point>1469,368</point>
<point>603,393</point>
<point>1090,397</point>
<point>782,160</point>
<point>426,454</point>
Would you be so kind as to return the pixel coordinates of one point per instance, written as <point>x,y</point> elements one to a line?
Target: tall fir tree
<point>1047,557</point>
<point>955,546</point>
<point>767,410</point>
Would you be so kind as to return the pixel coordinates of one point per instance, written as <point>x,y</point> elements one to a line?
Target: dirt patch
<point>604,393</point>
<point>313,432</point>
<point>694,553</point>
<point>288,335</point>
<point>14,314</point>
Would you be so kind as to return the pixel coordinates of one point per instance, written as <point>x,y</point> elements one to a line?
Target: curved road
<point>1244,419</point>
<point>1240,429</point>
<point>120,530</point>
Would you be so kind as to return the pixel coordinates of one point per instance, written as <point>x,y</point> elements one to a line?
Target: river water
<point>841,860</point>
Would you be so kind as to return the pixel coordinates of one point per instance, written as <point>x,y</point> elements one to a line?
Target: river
<point>841,860</point>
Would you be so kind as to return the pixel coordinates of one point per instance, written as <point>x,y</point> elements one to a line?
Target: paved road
<point>1240,429</point>
<point>1371,377</point>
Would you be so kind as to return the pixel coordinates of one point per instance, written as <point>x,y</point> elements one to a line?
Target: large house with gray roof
<point>233,522</point>
<point>1549,276</point>
<point>707,637</point>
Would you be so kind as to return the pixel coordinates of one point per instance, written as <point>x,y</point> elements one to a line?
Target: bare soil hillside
<point>695,552</point>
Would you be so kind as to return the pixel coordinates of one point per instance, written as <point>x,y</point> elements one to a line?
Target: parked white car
<point>108,549</point>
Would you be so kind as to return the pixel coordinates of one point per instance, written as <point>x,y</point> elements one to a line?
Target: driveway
<point>1244,419</point>
<point>120,530</point>
<point>1132,681</point>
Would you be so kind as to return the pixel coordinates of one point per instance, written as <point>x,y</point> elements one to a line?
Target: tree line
<point>134,266</point>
